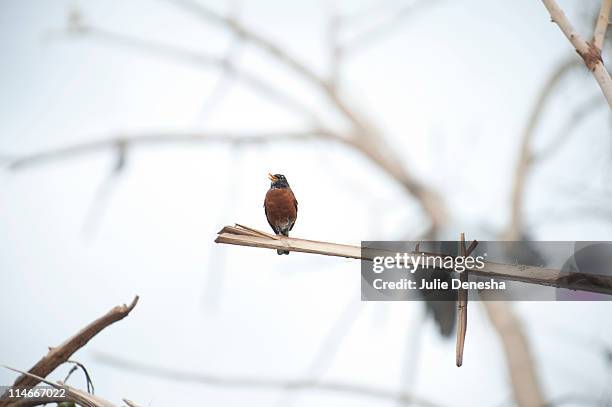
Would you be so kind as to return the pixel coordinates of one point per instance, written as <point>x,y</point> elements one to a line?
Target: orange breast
<point>281,206</point>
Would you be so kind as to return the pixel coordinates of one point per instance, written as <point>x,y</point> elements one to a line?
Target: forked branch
<point>60,354</point>
<point>589,51</point>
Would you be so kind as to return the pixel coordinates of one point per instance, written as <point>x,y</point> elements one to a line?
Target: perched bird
<point>280,206</point>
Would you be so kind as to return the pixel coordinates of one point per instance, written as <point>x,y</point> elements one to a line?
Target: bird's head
<point>278,181</point>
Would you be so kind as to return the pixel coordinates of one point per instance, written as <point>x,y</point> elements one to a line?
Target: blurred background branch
<point>358,390</point>
<point>123,142</point>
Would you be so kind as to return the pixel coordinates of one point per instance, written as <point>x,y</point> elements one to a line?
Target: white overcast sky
<point>451,87</point>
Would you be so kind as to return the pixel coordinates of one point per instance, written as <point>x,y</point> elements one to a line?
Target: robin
<point>281,207</point>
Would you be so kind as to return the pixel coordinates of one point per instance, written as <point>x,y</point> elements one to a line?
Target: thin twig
<point>328,348</point>
<point>80,397</point>
<point>462,303</point>
<point>525,159</point>
<point>259,382</point>
<point>336,53</point>
<point>153,139</point>
<point>104,193</point>
<point>251,36</point>
<point>580,113</point>
<point>360,41</point>
<point>224,83</point>
<point>79,365</point>
<point>198,58</point>
<point>225,80</point>
<point>590,53</point>
<point>276,52</point>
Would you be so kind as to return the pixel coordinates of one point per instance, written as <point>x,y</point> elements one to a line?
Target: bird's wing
<point>295,203</point>
<point>276,231</point>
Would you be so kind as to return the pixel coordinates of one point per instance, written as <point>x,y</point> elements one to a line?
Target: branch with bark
<point>601,26</point>
<point>61,353</point>
<point>590,52</point>
<point>71,395</point>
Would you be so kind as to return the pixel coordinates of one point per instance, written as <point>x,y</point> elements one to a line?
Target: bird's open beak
<point>272,177</point>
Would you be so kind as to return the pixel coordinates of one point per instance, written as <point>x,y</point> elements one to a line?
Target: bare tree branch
<point>224,82</point>
<point>525,384</point>
<point>525,159</point>
<point>590,53</point>
<point>262,383</point>
<point>520,363</point>
<point>60,354</point>
<point>153,139</point>
<point>386,158</point>
<point>80,397</point>
<point>516,347</point>
<point>599,35</point>
<point>243,236</point>
<point>368,139</point>
<point>329,347</point>
<point>579,114</point>
<point>336,54</point>
<point>275,51</point>
<point>364,135</point>
<point>250,36</point>
<point>361,40</point>
<point>200,59</point>
<point>99,203</point>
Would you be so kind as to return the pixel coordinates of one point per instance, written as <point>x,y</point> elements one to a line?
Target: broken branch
<point>515,272</point>
<point>462,303</point>
<point>60,354</point>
